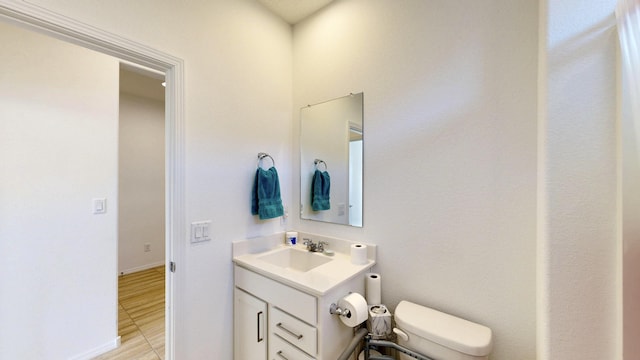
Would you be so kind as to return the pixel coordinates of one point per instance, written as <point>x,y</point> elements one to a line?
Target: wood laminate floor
<point>140,316</point>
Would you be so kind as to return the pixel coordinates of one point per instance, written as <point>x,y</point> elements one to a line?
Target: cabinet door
<point>250,327</point>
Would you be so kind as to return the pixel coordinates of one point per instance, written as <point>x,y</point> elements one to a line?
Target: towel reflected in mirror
<point>320,188</point>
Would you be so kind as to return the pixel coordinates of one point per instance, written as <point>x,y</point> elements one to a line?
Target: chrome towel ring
<point>318,162</point>
<point>263,155</point>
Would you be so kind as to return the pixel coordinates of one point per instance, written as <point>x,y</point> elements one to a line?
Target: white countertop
<point>317,281</point>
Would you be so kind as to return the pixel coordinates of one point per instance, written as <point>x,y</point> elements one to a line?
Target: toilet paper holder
<point>351,309</point>
<point>334,309</point>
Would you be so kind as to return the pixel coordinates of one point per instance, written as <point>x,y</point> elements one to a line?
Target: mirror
<point>331,148</point>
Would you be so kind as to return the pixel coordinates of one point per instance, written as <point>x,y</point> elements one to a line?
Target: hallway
<point>141,310</point>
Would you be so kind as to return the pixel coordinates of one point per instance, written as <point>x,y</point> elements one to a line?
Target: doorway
<point>42,316</point>
<point>141,215</point>
<point>141,182</point>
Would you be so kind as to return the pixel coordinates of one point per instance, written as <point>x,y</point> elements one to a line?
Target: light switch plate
<point>200,231</point>
<point>99,205</point>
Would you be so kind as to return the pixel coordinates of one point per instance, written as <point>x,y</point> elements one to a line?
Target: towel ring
<point>265,155</point>
<point>317,162</point>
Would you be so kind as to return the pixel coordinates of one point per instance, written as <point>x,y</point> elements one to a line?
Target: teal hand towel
<point>265,196</point>
<point>320,187</point>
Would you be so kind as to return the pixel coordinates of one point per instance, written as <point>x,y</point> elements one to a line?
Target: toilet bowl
<point>440,336</point>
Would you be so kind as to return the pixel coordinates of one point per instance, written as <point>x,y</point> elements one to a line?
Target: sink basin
<point>296,260</point>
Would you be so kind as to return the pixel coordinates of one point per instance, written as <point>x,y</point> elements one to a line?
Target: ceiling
<point>292,11</point>
<point>137,81</point>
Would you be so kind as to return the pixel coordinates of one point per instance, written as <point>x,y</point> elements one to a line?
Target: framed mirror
<point>331,161</point>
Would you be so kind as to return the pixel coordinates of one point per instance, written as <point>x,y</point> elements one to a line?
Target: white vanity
<point>282,296</point>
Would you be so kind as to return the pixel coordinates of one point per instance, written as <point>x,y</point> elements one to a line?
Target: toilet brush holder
<point>380,322</point>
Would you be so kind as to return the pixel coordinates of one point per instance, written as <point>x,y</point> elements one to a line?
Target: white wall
<point>631,224</point>
<point>238,89</point>
<point>58,150</point>
<point>450,99</point>
<point>450,149</point>
<point>578,267</point>
<point>141,182</point>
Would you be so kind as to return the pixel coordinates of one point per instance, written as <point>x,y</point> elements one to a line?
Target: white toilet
<point>440,336</point>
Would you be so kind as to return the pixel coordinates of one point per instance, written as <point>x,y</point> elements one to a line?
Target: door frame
<point>36,18</point>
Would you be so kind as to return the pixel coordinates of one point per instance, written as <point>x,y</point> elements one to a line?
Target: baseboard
<point>140,268</point>
<point>114,344</point>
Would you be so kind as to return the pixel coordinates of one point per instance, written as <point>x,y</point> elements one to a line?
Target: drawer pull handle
<point>259,321</point>
<point>279,353</point>
<point>279,325</point>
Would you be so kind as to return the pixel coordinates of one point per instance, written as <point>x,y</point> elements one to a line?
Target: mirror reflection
<point>331,148</point>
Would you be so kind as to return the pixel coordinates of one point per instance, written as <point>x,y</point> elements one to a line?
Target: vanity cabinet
<point>249,323</point>
<point>298,323</point>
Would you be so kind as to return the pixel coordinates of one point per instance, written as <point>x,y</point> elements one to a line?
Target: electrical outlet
<point>285,215</point>
<point>342,208</point>
<point>147,247</point>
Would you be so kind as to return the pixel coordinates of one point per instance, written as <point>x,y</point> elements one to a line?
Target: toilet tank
<point>441,336</point>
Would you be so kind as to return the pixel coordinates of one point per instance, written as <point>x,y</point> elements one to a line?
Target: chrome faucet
<point>320,247</point>
<point>314,247</point>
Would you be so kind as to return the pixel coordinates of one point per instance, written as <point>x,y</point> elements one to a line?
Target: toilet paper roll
<point>373,289</point>
<point>359,254</point>
<point>357,307</point>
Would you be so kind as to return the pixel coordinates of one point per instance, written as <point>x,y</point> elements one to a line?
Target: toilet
<point>440,336</point>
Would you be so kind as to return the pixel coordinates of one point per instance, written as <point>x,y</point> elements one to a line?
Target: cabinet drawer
<point>297,303</point>
<point>282,350</point>
<point>293,330</point>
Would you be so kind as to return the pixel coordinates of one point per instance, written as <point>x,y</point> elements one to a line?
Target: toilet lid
<point>444,329</point>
